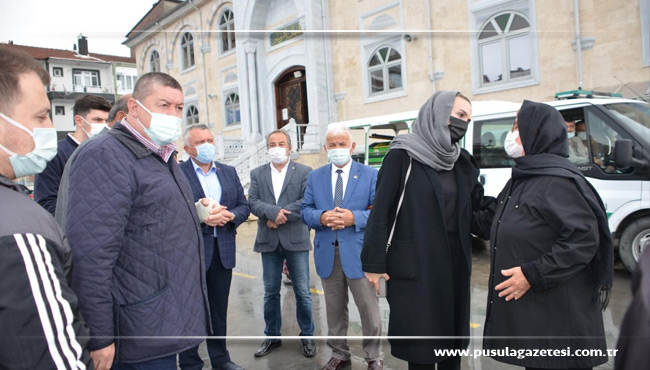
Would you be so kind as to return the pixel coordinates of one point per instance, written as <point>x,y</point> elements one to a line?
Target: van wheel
<point>632,240</point>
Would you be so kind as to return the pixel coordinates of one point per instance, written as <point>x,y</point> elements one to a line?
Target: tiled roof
<point>157,11</point>
<point>46,53</point>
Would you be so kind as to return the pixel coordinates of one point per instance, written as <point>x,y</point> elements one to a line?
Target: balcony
<point>73,92</point>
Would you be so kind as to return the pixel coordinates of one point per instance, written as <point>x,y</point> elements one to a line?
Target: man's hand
<point>271,225</point>
<point>103,358</point>
<point>374,279</point>
<point>516,286</point>
<point>332,219</point>
<point>281,217</point>
<point>347,216</point>
<point>217,216</point>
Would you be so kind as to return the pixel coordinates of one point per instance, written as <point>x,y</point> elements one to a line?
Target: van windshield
<point>636,116</point>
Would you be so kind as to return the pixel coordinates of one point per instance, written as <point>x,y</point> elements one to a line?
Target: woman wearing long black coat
<point>551,250</point>
<point>429,261</point>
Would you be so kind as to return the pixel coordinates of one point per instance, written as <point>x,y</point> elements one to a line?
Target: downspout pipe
<point>576,7</point>
<point>205,78</point>
<point>433,80</point>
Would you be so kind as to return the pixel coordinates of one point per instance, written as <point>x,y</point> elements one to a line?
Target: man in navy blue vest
<point>220,184</point>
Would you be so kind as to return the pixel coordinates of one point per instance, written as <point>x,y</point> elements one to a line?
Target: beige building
<point>249,67</point>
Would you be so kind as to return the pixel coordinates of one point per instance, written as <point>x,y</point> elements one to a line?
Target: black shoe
<point>228,366</point>
<point>309,348</point>
<point>267,346</point>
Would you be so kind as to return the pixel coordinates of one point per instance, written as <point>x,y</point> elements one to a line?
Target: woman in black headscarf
<point>552,253</point>
<point>429,260</point>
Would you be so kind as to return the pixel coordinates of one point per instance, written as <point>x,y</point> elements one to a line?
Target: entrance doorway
<point>291,101</point>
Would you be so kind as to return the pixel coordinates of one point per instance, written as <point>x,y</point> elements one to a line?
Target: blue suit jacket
<point>232,196</point>
<point>319,197</point>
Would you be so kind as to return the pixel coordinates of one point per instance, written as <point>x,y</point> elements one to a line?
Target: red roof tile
<point>46,53</point>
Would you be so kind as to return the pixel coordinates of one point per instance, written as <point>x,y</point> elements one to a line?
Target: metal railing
<point>69,89</point>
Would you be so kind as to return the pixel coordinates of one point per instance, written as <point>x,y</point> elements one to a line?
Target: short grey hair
<point>278,131</point>
<point>336,129</point>
<point>186,133</point>
<point>119,106</point>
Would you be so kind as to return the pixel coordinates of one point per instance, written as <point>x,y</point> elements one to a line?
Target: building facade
<point>250,66</point>
<point>75,73</point>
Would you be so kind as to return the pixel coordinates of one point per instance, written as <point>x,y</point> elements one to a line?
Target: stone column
<point>250,49</point>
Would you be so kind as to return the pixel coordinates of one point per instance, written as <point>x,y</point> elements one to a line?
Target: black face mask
<point>457,128</point>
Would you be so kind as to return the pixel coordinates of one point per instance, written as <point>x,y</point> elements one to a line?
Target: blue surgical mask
<point>205,153</point>
<point>95,128</point>
<point>570,134</point>
<point>339,156</point>
<point>163,128</point>
<point>582,135</point>
<point>35,161</point>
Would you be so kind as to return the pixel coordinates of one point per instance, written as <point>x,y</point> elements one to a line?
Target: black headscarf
<point>543,135</point>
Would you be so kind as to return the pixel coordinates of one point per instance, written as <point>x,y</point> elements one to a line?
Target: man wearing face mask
<point>136,240</point>
<point>215,185</point>
<point>337,202</point>
<point>41,326</point>
<point>578,152</point>
<point>276,191</point>
<point>90,113</point>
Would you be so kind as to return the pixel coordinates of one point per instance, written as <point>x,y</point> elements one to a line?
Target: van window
<point>602,143</point>
<point>489,137</point>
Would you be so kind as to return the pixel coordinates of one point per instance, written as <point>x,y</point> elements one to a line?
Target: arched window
<point>187,51</point>
<point>154,61</point>
<point>385,69</point>
<point>505,49</point>
<point>233,114</point>
<point>227,27</point>
<point>192,115</point>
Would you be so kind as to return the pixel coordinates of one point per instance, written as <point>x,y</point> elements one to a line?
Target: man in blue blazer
<point>220,183</point>
<point>337,203</point>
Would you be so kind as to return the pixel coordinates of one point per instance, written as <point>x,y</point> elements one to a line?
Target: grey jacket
<point>294,235</point>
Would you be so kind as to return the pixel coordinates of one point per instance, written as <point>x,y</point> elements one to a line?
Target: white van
<point>620,126</point>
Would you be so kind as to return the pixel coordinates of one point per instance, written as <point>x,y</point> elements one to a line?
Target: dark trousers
<point>165,363</point>
<point>452,363</point>
<point>218,280</point>
<point>583,368</point>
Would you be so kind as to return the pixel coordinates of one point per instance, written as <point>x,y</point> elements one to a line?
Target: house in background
<point>78,72</point>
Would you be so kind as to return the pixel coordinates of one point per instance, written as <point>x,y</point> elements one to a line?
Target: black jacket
<point>46,183</point>
<point>419,262</point>
<point>35,299</point>
<point>549,222</point>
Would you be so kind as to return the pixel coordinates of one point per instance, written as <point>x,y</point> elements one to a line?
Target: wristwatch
<point>234,216</point>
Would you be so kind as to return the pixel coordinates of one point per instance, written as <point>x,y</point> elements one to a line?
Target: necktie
<point>338,192</point>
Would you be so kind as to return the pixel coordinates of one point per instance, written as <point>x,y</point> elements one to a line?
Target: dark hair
<point>463,96</point>
<point>14,63</point>
<point>143,86</point>
<point>276,132</point>
<point>119,106</point>
<point>86,103</point>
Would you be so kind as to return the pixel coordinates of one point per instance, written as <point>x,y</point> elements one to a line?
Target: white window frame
<point>230,25</point>
<point>187,49</point>
<point>367,51</point>
<point>86,73</point>
<point>195,117</point>
<point>151,54</point>
<point>225,110</point>
<point>479,14</point>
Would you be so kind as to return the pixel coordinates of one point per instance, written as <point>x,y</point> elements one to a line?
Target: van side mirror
<point>624,155</point>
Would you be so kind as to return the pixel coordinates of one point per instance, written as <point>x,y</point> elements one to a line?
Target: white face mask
<point>35,161</point>
<point>582,135</point>
<point>512,147</point>
<point>95,128</point>
<point>278,155</point>
<point>570,134</point>
<point>163,128</point>
<point>339,156</point>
